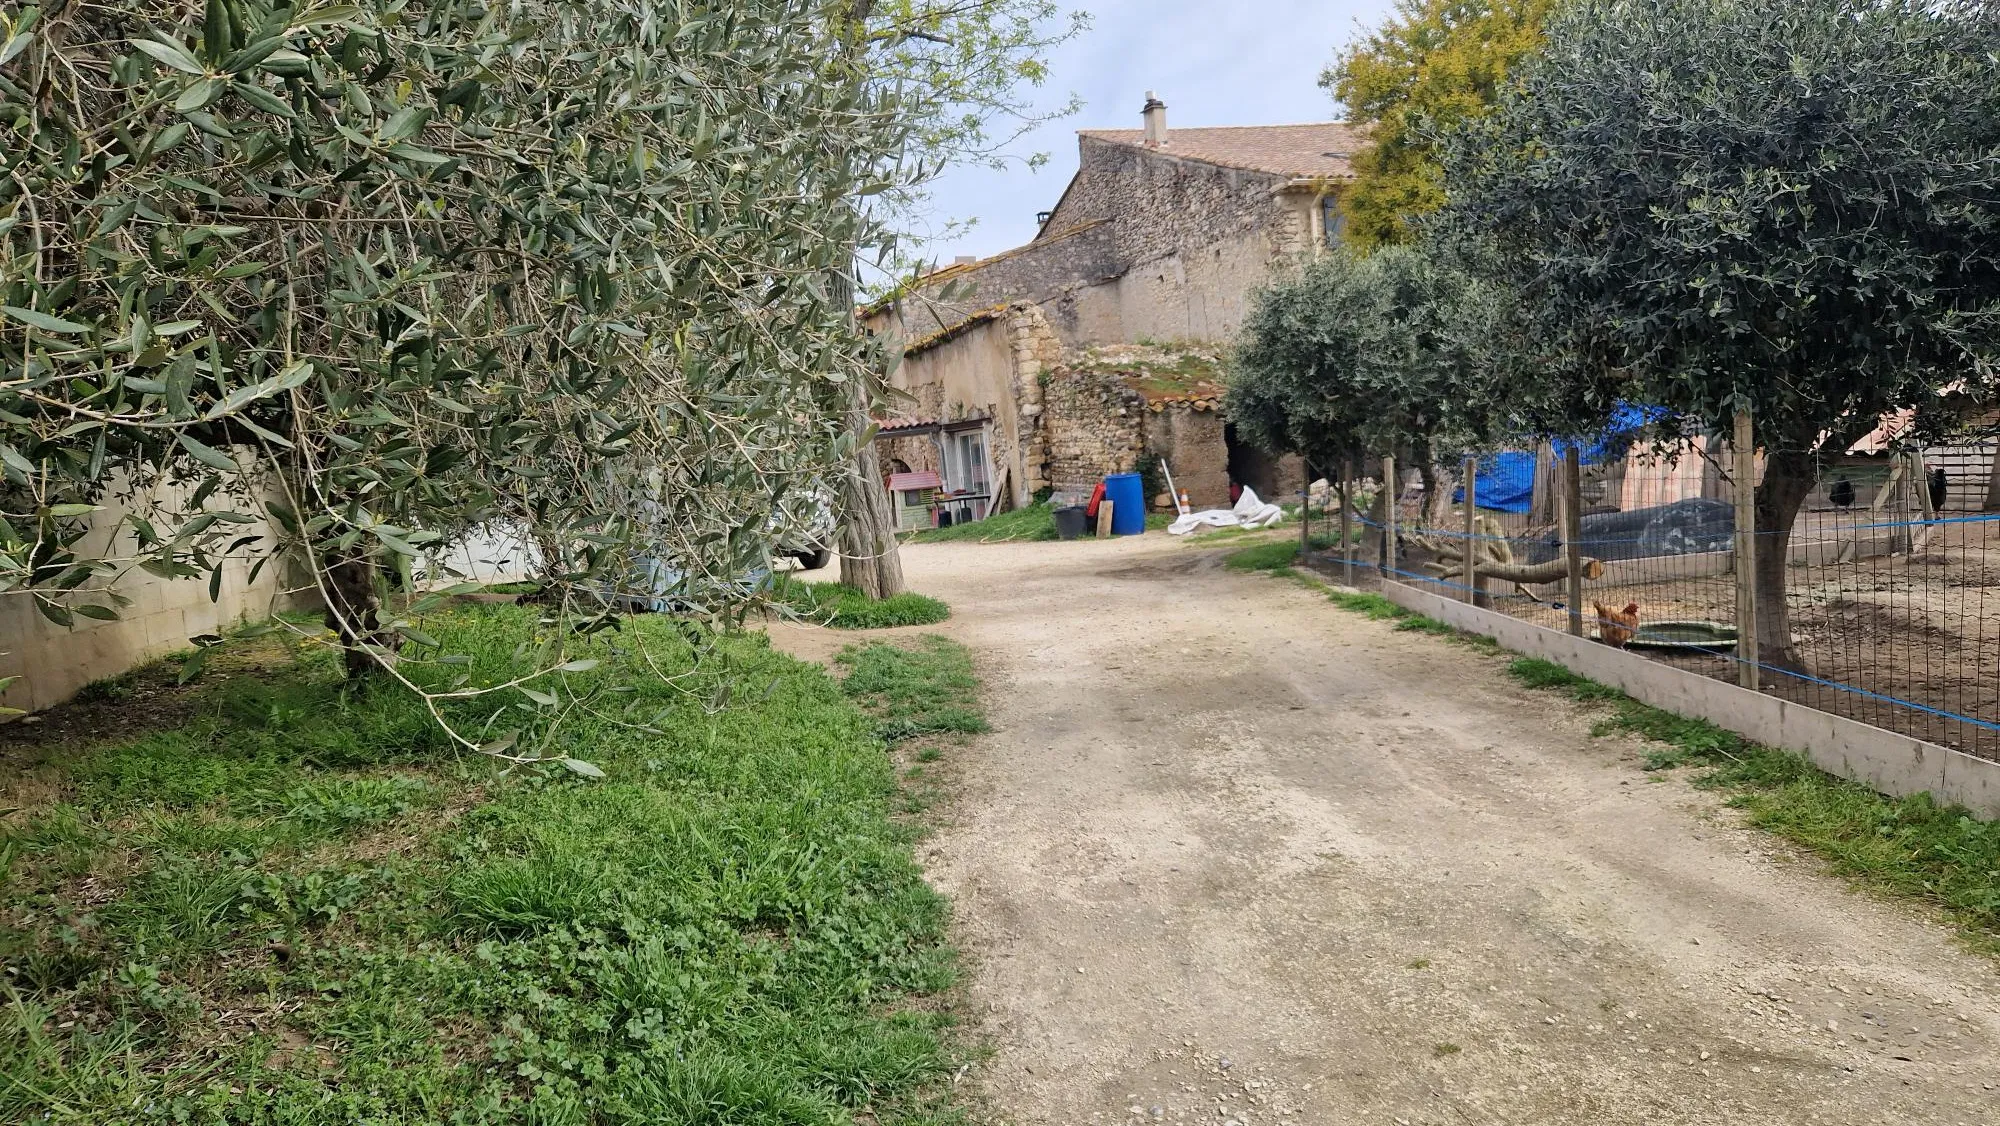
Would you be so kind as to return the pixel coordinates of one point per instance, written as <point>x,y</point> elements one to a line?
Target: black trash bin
<point>1069,521</point>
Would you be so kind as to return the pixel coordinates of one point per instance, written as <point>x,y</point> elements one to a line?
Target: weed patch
<point>844,607</point>
<point>1263,557</point>
<point>927,689</point>
<point>206,925</point>
<point>1276,556</point>
<point>1906,846</point>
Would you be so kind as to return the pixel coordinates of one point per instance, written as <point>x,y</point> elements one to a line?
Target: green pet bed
<point>1690,636</point>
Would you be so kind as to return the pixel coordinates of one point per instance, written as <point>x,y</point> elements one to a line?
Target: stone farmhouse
<point>1097,347</point>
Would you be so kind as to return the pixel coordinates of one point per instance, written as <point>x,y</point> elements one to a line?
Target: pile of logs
<point>1496,560</point>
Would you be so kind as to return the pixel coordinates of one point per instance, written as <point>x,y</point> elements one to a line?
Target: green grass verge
<point>1905,846</point>
<point>1035,522</point>
<point>924,690</point>
<point>300,906</point>
<point>844,607</point>
<point>1275,556</point>
<point>1031,524</point>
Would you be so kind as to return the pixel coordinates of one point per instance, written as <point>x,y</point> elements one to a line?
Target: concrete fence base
<point>1897,765</point>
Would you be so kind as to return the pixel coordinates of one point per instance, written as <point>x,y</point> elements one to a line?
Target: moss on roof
<point>1159,372</point>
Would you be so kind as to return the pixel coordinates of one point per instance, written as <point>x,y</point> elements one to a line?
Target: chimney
<point>1155,114</point>
<point>965,259</point>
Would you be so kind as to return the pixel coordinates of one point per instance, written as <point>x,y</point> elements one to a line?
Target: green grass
<point>1035,522</point>
<point>1273,557</point>
<point>1904,846</point>
<point>1278,556</point>
<point>520,587</point>
<point>844,607</point>
<point>922,690</point>
<point>302,907</point>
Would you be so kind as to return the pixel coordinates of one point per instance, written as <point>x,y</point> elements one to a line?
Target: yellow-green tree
<point>1435,63</point>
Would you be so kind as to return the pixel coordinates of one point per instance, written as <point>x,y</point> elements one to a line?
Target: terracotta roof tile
<point>1319,149</point>
<point>921,479</point>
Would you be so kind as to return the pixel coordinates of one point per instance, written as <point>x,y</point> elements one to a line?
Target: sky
<point>1259,64</point>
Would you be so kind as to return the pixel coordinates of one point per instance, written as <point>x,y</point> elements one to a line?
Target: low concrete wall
<point>159,617</point>
<point>1893,764</point>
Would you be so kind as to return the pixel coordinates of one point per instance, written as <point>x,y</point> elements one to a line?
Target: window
<point>969,461</point>
<point>1331,221</point>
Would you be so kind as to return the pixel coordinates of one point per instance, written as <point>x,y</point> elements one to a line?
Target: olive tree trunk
<point>354,612</point>
<point>868,558</point>
<point>1788,477</point>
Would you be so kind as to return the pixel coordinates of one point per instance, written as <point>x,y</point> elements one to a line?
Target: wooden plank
<point>1347,518</point>
<point>1572,534</point>
<point>1745,470</point>
<point>1104,518</point>
<point>1921,536</point>
<point>1545,499</point>
<point>1390,495</point>
<point>1470,549</point>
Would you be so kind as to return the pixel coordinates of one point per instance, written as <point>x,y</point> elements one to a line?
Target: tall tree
<point>1366,356</point>
<point>960,70</point>
<point>386,271</point>
<point>1432,65</point>
<point>1790,206</point>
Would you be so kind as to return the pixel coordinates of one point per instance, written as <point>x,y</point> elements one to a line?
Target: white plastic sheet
<point>1250,512</point>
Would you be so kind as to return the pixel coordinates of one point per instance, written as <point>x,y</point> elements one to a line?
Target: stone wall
<point>1093,427</point>
<point>1179,204</point>
<point>917,452</point>
<point>1144,245</point>
<point>991,368</point>
<point>1191,441</point>
<point>1042,272</point>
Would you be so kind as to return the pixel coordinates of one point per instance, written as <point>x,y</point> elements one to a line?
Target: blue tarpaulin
<point>1505,481</point>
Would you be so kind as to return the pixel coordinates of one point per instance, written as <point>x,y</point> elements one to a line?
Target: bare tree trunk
<point>1788,477</point>
<point>868,554</point>
<point>867,541</point>
<point>353,612</point>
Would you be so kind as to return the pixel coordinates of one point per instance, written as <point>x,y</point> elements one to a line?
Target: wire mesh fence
<point>1884,609</point>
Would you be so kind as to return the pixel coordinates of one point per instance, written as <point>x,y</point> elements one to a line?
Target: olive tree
<point>1364,356</point>
<point>383,272</point>
<point>1785,206</point>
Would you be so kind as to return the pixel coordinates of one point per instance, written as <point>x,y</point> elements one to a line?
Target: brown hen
<point>1616,627</point>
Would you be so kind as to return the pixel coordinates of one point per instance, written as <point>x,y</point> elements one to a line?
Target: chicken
<point>1616,627</point>
<point>1841,493</point>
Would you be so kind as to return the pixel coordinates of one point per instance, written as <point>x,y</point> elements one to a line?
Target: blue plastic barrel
<point>1127,494</point>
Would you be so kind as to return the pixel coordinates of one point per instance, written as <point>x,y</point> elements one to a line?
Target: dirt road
<point>1236,856</point>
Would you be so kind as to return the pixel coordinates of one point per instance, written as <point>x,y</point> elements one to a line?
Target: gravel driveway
<point>1233,855</point>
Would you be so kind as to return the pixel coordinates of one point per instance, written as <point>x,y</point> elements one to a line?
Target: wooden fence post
<point>1470,471</point>
<point>1305,512</point>
<point>1390,495</point>
<point>1745,471</point>
<point>1572,534</point>
<point>1347,518</point>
